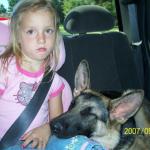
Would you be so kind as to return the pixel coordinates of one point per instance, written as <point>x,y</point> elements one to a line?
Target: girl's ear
<point>126,106</point>
<point>82,77</point>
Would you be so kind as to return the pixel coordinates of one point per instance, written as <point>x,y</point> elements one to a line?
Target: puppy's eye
<point>86,111</point>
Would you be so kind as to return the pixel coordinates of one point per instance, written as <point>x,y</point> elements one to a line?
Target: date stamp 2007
<point>136,131</point>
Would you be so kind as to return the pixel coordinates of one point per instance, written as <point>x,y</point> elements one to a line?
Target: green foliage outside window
<point>64,6</point>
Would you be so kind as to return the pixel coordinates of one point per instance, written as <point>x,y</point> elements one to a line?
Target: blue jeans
<point>74,143</point>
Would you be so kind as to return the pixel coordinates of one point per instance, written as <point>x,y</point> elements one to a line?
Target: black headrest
<point>88,18</point>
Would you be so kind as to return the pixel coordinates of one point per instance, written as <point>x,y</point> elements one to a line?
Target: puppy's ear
<point>126,106</point>
<point>82,77</point>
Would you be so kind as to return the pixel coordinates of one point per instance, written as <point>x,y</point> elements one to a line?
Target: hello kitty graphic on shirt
<point>26,92</point>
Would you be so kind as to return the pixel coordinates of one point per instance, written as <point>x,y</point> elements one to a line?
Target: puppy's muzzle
<point>56,128</point>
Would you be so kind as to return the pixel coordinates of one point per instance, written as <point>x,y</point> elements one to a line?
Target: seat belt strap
<point>136,42</point>
<point>24,120</point>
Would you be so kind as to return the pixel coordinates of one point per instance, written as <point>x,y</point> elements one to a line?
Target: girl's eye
<point>31,32</point>
<point>49,31</point>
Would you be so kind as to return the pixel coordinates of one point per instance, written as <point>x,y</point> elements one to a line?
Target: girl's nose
<point>41,38</point>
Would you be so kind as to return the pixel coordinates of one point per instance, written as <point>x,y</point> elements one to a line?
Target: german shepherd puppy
<point>101,118</point>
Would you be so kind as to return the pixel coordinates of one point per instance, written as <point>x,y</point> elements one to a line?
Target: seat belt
<point>136,42</point>
<point>24,120</point>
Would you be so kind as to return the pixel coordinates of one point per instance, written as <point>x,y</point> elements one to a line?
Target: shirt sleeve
<point>56,87</point>
<point>3,81</point>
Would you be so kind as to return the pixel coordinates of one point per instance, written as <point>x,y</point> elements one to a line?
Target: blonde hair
<point>20,9</point>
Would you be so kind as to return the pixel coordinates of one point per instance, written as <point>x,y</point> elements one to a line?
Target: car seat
<point>4,35</point>
<point>108,53</point>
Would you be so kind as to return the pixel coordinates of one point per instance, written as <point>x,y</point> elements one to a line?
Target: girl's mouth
<point>42,49</point>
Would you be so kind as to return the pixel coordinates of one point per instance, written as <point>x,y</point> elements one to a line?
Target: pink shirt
<point>17,87</point>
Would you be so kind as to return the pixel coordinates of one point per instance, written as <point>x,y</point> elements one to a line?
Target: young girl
<point>33,47</point>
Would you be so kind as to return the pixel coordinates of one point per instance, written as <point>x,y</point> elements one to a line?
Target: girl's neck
<point>31,66</point>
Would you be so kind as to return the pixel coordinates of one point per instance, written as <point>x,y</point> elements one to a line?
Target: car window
<point>63,7</point>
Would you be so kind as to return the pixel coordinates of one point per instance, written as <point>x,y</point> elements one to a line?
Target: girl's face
<point>37,35</point>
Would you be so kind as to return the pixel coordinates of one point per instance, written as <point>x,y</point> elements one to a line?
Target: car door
<point>134,20</point>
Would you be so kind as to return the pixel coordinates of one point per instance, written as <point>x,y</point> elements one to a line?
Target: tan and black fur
<point>104,119</point>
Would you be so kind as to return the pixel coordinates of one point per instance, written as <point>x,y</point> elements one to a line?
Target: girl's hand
<point>38,137</point>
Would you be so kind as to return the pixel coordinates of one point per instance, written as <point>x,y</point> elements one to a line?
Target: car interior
<point>118,60</point>
<point>133,19</point>
<point>108,52</point>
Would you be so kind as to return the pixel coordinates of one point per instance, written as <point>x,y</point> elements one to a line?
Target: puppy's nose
<point>56,127</point>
